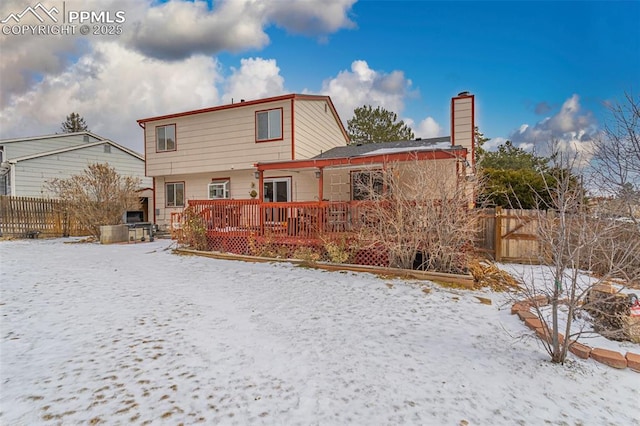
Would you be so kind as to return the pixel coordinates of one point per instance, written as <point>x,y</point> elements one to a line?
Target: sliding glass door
<point>277,190</point>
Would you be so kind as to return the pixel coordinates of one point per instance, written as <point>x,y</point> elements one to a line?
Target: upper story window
<point>269,125</point>
<point>175,194</point>
<point>166,138</point>
<point>219,189</point>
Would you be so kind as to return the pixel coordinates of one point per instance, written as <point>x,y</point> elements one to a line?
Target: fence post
<point>497,243</point>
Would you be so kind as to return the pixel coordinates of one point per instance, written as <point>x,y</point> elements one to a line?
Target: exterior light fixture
<point>318,174</point>
<point>256,175</point>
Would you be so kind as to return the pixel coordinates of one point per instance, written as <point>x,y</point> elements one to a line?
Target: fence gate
<point>516,235</point>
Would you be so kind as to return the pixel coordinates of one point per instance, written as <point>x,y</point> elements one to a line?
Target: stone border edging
<point>604,356</point>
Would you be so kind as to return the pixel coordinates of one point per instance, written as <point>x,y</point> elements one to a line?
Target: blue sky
<point>522,60</point>
<point>539,70</point>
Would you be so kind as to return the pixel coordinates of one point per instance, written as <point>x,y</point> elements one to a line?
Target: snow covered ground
<point>135,334</point>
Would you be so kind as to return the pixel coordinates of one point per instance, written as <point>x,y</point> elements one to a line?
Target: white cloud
<point>178,29</point>
<point>257,78</point>
<point>569,118</point>
<point>571,128</point>
<point>428,128</point>
<point>111,87</point>
<point>311,17</point>
<point>175,30</point>
<point>493,143</point>
<point>365,86</point>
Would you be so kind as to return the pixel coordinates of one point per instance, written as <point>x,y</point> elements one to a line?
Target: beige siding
<point>196,187</point>
<point>337,182</point>
<point>32,175</point>
<point>316,128</point>
<point>217,141</point>
<point>304,186</point>
<point>431,179</point>
<point>463,122</point>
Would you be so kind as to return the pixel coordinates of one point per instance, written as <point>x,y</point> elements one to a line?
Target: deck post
<point>498,235</point>
<point>261,200</point>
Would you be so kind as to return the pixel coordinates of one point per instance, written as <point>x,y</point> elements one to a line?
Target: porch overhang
<point>457,153</point>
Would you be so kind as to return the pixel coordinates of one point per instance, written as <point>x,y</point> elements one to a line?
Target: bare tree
<point>576,243</point>
<point>617,158</point>
<point>421,213</point>
<point>98,196</point>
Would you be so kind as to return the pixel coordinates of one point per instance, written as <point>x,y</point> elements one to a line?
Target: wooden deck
<point>246,227</point>
<point>296,220</point>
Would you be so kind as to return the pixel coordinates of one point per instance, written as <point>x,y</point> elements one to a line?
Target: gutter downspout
<point>12,177</point>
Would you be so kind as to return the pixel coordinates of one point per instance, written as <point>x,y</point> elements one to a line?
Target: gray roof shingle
<point>358,150</point>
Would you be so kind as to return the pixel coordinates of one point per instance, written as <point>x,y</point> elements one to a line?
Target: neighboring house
<point>210,153</point>
<point>290,149</point>
<point>27,164</point>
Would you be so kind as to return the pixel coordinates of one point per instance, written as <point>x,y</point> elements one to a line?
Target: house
<point>292,152</point>
<point>210,153</point>
<point>27,164</point>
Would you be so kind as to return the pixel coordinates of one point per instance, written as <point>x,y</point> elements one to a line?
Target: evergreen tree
<point>74,123</point>
<point>515,178</point>
<point>480,141</point>
<point>369,125</point>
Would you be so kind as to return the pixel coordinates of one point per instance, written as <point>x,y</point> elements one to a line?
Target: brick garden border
<point>604,356</point>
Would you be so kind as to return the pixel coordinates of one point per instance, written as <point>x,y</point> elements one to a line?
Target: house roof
<point>375,153</point>
<point>55,135</point>
<point>75,148</point>
<point>357,150</point>
<point>242,103</point>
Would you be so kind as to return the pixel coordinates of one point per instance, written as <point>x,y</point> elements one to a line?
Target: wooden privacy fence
<point>511,235</point>
<point>23,217</point>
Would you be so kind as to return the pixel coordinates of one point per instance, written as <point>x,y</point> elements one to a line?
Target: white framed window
<point>166,138</point>
<point>175,194</point>
<point>269,125</point>
<point>219,189</point>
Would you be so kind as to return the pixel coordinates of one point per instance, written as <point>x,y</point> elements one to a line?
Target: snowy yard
<point>135,334</point>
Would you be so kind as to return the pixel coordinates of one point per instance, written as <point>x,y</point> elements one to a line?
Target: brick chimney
<point>463,124</point>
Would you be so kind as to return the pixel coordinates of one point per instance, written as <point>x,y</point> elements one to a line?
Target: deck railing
<point>307,220</point>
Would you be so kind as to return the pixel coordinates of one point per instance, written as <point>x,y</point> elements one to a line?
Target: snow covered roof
<point>384,148</point>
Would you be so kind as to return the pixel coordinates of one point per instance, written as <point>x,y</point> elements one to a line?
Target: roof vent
<point>418,139</point>
<point>241,100</point>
